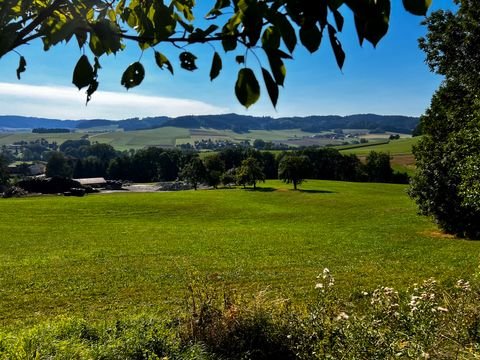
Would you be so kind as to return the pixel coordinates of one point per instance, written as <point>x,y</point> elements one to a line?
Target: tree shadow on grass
<point>262,189</point>
<point>316,191</point>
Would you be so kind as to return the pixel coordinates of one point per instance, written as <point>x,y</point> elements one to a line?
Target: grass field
<point>394,147</point>
<point>165,136</point>
<point>125,140</point>
<point>169,136</point>
<point>107,255</point>
<point>400,151</point>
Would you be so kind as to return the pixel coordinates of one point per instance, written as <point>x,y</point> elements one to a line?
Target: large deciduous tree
<point>446,185</point>
<point>271,27</point>
<point>294,169</point>
<point>214,168</point>
<point>250,172</point>
<point>194,172</point>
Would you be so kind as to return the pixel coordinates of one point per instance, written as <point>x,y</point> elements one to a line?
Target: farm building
<point>94,182</point>
<point>28,169</point>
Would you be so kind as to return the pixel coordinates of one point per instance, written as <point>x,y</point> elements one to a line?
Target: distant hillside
<point>22,122</point>
<point>240,123</point>
<point>237,123</point>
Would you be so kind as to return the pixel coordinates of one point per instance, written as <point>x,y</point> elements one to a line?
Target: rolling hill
<point>234,122</point>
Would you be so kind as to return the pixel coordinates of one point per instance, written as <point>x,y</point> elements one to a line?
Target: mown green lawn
<point>110,255</point>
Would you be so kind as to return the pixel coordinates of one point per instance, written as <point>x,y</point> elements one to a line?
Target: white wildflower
<point>463,285</point>
<point>342,316</point>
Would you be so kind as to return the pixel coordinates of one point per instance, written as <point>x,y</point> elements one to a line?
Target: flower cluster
<point>386,300</point>
<point>424,297</point>
<point>326,280</point>
<point>463,285</point>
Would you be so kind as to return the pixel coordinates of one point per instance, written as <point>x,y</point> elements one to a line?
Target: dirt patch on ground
<point>142,188</point>
<point>405,160</point>
<point>438,234</point>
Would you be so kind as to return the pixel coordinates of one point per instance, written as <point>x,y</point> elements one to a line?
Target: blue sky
<point>391,79</point>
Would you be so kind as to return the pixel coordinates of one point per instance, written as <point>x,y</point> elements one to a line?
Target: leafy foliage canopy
<point>272,27</point>
<point>448,155</point>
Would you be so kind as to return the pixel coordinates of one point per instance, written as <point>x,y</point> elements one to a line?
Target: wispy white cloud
<point>68,103</point>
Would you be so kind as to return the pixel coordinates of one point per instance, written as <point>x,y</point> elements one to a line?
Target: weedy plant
<point>426,321</point>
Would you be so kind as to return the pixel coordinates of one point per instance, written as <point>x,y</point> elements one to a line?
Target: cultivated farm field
<point>395,147</point>
<point>115,255</point>
<point>163,137</point>
<point>402,159</point>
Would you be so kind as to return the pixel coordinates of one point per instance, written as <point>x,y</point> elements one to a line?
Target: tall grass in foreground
<point>427,321</point>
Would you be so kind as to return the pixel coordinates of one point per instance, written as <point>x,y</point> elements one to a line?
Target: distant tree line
<point>49,131</point>
<point>35,150</point>
<point>242,166</point>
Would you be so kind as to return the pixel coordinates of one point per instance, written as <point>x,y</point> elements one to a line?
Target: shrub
<point>446,182</point>
<point>426,321</point>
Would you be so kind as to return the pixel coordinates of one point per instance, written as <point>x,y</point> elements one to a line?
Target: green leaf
<point>240,59</point>
<point>310,36</point>
<point>104,38</point>
<point>287,32</point>
<point>247,88</point>
<point>278,68</point>
<point>81,37</point>
<point>61,31</point>
<point>211,29</point>
<point>371,19</point>
<point>215,12</point>
<point>133,75</point>
<point>216,66</point>
<point>281,54</point>
<point>91,89</point>
<point>417,7</point>
<point>271,85</point>
<point>271,38</point>
<point>187,61</point>
<point>162,60</point>
<point>336,46</point>
<point>338,20</point>
<point>83,73</point>
<point>163,21</point>
<point>22,64</point>
<point>378,21</point>
<point>252,19</point>
<point>96,66</point>
<point>360,27</point>
<point>229,43</point>
<point>334,4</point>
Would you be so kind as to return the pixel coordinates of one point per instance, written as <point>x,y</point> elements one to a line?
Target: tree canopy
<point>294,169</point>
<point>194,172</point>
<point>446,185</point>
<point>250,172</point>
<point>273,27</point>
